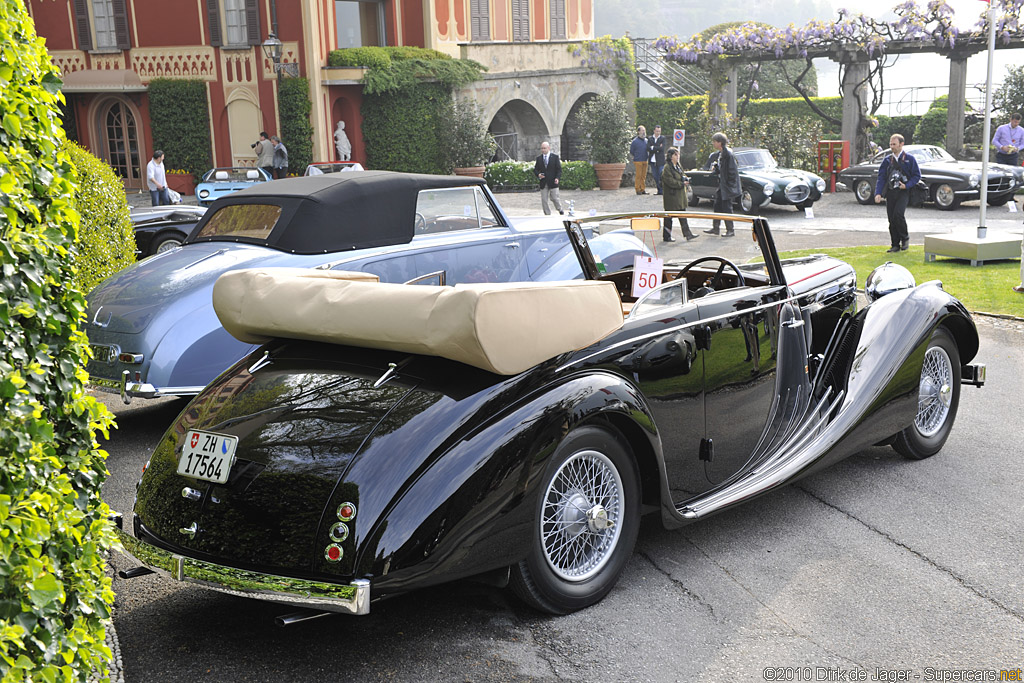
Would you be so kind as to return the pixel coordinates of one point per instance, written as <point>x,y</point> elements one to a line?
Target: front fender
<point>472,510</point>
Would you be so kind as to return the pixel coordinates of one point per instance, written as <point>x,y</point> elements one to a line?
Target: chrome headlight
<point>203,194</point>
<point>887,278</point>
<point>820,185</point>
<point>975,180</point>
<point>768,189</point>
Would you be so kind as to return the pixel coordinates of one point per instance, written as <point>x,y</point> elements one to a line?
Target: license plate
<point>104,353</point>
<point>207,456</point>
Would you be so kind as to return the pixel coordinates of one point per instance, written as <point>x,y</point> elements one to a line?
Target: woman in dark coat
<point>674,182</point>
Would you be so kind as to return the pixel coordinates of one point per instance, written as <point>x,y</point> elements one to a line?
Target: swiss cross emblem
<point>195,440</point>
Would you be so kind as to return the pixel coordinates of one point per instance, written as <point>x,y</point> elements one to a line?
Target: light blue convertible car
<point>220,182</point>
<point>152,327</point>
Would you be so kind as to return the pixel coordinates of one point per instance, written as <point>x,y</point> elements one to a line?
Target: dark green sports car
<point>762,180</point>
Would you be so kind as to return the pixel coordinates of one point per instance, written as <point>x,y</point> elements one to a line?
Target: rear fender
<point>472,510</point>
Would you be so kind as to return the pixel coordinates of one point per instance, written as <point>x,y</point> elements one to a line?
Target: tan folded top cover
<point>504,328</point>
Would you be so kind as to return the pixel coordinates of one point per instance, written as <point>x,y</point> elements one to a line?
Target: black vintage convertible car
<point>762,180</point>
<point>392,437</point>
<point>163,228</point>
<point>944,181</point>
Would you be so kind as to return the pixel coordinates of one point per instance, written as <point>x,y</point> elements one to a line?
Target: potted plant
<point>605,123</point>
<point>467,143</point>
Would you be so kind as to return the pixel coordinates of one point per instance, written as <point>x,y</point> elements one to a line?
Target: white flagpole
<point>986,139</point>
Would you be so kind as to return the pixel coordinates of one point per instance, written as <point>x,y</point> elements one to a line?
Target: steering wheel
<point>717,278</point>
<point>420,223</point>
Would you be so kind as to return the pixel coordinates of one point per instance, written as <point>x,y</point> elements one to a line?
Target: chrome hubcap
<point>581,516</point>
<point>936,391</point>
<point>944,195</point>
<point>864,190</point>
<point>168,246</point>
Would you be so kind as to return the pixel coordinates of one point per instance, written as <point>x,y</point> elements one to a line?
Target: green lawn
<point>981,288</point>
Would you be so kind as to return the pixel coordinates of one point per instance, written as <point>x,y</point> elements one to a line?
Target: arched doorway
<point>571,134</point>
<point>119,141</point>
<point>519,129</point>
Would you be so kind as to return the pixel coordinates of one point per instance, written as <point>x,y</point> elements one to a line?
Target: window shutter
<point>213,15</point>
<point>252,22</point>
<point>480,24</point>
<point>558,19</point>
<point>82,25</point>
<point>520,20</point>
<point>121,24</point>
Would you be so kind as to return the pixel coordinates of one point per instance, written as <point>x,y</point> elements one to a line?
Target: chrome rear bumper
<point>353,598</point>
<point>129,390</point>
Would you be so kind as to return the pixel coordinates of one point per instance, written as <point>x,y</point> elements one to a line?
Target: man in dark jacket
<point>728,182</point>
<point>656,155</point>
<point>548,169</point>
<point>898,173</point>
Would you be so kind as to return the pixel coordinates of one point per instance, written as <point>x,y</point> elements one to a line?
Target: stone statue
<point>342,143</point>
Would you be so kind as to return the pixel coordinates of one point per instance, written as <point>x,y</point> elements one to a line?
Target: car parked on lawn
<point>763,183</point>
<point>162,228</point>
<point>220,182</point>
<point>387,437</point>
<point>152,326</point>
<point>945,181</point>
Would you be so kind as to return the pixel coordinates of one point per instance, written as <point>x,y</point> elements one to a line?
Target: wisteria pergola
<point>859,44</point>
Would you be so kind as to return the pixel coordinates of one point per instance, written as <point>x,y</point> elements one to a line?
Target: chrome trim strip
<point>139,390</point>
<point>352,598</point>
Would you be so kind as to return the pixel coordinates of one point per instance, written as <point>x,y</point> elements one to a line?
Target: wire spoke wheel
<point>936,391</point>
<point>587,518</point>
<point>581,518</point>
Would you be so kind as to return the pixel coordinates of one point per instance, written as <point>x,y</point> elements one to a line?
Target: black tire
<point>938,399</point>
<point>1000,200</point>
<point>864,191</point>
<point>944,197</point>
<point>166,241</point>
<point>560,584</point>
<point>747,204</point>
<point>805,205</point>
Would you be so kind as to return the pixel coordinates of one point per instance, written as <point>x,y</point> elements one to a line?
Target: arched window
<point>119,135</point>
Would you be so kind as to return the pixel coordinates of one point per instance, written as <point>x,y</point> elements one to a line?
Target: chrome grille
<point>797,191</point>
<point>1000,184</point>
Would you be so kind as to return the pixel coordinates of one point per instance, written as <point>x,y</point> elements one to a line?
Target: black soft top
<point>337,211</point>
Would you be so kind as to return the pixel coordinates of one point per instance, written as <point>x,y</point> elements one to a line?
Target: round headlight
<point>820,185</point>
<point>768,189</point>
<point>887,278</point>
<point>203,194</point>
<point>975,179</point>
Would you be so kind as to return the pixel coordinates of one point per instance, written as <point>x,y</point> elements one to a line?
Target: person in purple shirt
<point>1008,141</point>
<point>898,173</point>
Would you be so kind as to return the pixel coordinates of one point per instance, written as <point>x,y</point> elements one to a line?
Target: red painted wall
<point>167,24</point>
<point>412,23</point>
<point>500,19</point>
<point>539,19</point>
<point>53,23</point>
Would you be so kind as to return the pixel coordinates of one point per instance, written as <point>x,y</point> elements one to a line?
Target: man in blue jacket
<point>638,154</point>
<point>898,173</point>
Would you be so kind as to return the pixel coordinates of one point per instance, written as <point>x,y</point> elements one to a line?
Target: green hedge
<point>380,57</point>
<point>889,125</point>
<point>106,239</point>
<point>296,130</point>
<point>577,175</point>
<point>180,124</point>
<point>419,110</point>
<point>55,595</point>
<point>511,175</point>
<point>931,129</point>
<point>394,69</point>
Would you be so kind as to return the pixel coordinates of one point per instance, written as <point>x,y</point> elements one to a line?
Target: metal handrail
<point>650,61</point>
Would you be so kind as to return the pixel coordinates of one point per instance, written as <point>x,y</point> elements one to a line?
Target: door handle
<point>512,245</point>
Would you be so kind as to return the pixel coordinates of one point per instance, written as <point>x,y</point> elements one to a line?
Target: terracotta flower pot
<point>182,183</point>
<point>609,176</point>
<point>471,171</point>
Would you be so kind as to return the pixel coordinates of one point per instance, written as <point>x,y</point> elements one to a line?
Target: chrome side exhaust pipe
<point>301,615</point>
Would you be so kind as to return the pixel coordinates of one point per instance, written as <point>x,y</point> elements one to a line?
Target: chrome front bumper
<point>353,598</point>
<point>973,373</point>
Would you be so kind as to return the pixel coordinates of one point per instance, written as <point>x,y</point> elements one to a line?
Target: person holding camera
<point>264,153</point>
<point>898,173</point>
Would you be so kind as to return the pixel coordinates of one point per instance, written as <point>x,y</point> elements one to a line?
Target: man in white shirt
<point>157,180</point>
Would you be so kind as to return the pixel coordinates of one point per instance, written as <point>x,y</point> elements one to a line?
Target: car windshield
<point>253,221</point>
<point>755,158</point>
<point>233,175</point>
<point>318,169</point>
<point>924,154</point>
